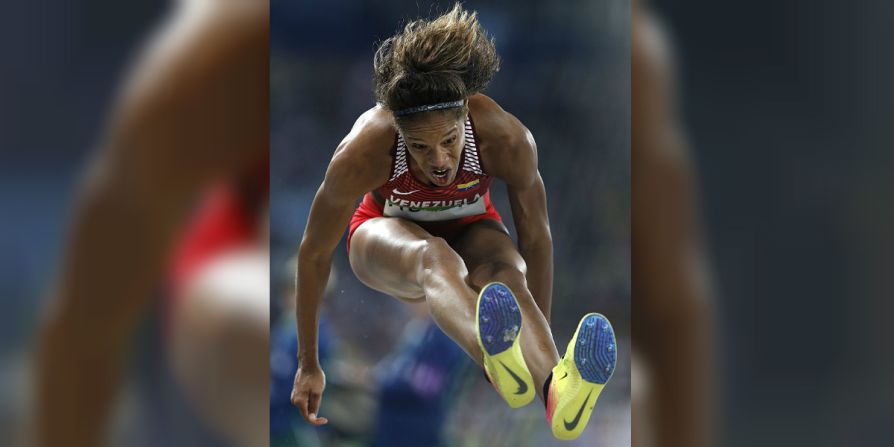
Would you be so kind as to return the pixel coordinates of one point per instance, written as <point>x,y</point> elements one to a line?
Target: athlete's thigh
<point>486,247</point>
<point>386,253</point>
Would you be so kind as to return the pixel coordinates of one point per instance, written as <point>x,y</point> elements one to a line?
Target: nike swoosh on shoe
<point>522,386</point>
<point>571,425</point>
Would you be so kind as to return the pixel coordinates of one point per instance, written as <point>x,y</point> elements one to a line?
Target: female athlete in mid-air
<point>423,159</point>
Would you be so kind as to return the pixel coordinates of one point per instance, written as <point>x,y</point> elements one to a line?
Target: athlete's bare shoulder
<point>362,160</point>
<point>373,134</point>
<point>493,125</point>
<point>506,146</point>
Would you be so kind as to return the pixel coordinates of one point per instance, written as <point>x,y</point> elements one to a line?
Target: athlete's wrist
<point>308,361</point>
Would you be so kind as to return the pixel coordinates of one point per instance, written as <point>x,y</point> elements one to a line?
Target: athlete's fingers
<point>299,399</point>
<point>319,420</point>
<point>314,420</point>
<point>303,402</point>
<point>313,402</point>
<point>313,405</point>
<point>296,396</point>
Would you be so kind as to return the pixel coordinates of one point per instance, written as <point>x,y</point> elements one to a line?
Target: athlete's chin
<point>442,181</point>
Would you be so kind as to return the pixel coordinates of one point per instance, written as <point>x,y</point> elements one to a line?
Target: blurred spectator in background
<point>192,113</point>
<point>672,312</point>
<point>418,385</point>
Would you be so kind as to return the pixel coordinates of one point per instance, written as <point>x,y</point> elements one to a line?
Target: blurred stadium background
<point>565,74</point>
<point>788,105</point>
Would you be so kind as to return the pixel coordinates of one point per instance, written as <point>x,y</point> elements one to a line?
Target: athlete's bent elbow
<point>541,240</point>
<point>310,251</point>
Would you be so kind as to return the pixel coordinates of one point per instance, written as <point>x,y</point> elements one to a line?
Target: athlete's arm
<point>192,110</point>
<point>527,197</point>
<point>511,156</point>
<point>356,168</point>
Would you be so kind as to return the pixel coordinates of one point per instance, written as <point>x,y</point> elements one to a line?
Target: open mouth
<point>440,175</point>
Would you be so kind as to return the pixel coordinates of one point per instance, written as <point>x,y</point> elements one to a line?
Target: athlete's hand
<point>307,392</point>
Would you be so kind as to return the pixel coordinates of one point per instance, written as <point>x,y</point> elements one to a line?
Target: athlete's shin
<point>451,301</point>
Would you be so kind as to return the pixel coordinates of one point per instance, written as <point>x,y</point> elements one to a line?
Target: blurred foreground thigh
<point>218,344</point>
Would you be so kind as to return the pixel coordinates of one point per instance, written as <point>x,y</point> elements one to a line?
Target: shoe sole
<point>595,356</point>
<point>499,325</point>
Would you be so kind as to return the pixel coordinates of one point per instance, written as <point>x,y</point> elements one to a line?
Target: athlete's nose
<point>440,159</point>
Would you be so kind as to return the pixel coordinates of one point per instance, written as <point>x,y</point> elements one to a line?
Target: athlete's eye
<point>417,146</point>
<point>449,141</point>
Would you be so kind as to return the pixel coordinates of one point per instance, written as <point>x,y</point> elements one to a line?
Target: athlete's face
<point>435,142</point>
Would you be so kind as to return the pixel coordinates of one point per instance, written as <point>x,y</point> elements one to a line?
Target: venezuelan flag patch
<point>467,186</point>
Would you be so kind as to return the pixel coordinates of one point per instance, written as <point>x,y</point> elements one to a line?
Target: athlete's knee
<point>436,252</point>
<point>439,259</point>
